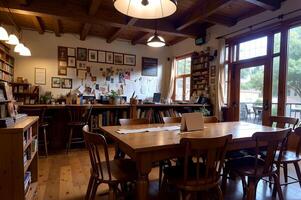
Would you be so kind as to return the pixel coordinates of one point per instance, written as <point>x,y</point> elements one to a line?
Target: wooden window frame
<point>182,76</point>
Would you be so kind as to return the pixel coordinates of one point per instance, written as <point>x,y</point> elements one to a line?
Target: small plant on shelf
<point>114,97</point>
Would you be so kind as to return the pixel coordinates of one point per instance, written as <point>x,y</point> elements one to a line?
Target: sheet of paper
<point>154,129</point>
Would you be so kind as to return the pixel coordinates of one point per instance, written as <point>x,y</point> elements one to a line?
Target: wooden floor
<point>65,177</point>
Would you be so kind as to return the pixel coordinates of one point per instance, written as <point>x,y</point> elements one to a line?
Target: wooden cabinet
<point>6,65</point>
<point>26,93</point>
<point>19,158</point>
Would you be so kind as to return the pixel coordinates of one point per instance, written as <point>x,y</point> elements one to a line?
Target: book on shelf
<point>27,181</point>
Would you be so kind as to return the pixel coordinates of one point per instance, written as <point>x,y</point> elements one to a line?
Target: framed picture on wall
<point>66,83</point>
<point>40,76</point>
<point>55,82</point>
<point>71,62</point>
<point>62,71</point>
<point>101,56</point>
<point>62,53</point>
<point>118,58</point>
<point>62,63</point>
<point>109,57</point>
<point>149,66</point>
<point>92,55</point>
<point>71,51</point>
<point>81,65</point>
<point>81,54</point>
<point>129,59</point>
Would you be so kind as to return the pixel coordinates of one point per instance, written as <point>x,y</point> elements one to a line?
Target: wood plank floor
<point>65,177</point>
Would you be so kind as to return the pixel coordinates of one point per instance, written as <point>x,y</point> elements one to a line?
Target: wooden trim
<point>184,56</point>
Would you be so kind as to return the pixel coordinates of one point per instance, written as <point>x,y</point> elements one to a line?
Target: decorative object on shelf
<point>114,97</point>
<point>149,66</point>
<point>156,41</point>
<point>109,57</point>
<point>71,62</point>
<point>71,52</point>
<point>146,9</point>
<point>46,98</point>
<point>40,76</point>
<point>55,82</point>
<point>118,58</point>
<point>62,53</point>
<point>92,55</point>
<point>66,83</point>
<point>81,54</point>
<point>101,56</point>
<point>130,59</point>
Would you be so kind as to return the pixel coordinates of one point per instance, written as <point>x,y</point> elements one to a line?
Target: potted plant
<point>113,97</point>
<point>46,98</point>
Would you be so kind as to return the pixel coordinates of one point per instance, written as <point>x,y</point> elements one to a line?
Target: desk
<point>146,148</point>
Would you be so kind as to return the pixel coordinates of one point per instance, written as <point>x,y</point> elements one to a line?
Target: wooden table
<point>149,147</point>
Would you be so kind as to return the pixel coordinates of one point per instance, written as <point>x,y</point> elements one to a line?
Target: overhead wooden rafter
<point>220,19</point>
<point>131,22</point>
<point>139,37</point>
<point>199,12</point>
<point>56,27</point>
<point>38,23</point>
<point>266,4</point>
<point>85,31</point>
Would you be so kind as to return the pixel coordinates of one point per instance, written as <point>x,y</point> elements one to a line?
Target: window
<point>226,79</point>
<point>182,80</point>
<point>253,48</point>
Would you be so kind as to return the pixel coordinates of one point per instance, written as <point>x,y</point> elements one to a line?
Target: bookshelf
<point>19,160</point>
<point>26,93</point>
<point>6,64</point>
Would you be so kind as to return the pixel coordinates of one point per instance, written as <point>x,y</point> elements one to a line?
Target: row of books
<point>6,67</point>
<point>27,181</point>
<point>108,118</point>
<point>29,152</point>
<point>27,136</point>
<point>6,77</point>
<point>156,116</point>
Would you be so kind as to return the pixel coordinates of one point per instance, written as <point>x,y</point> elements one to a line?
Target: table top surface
<point>241,131</point>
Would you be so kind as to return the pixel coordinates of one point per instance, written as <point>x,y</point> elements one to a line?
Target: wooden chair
<point>172,120</point>
<point>292,157</point>
<point>113,172</point>
<point>257,167</point>
<point>283,122</point>
<point>194,176</point>
<point>210,119</point>
<point>78,117</point>
<point>43,124</point>
<point>124,122</point>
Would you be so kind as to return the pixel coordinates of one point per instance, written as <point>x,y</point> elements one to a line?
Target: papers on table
<point>154,129</point>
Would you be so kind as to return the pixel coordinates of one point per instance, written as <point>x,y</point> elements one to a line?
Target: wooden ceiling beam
<point>220,19</point>
<point>24,2</point>
<point>85,31</point>
<point>139,37</point>
<point>94,6</point>
<point>38,24</point>
<point>199,12</point>
<point>73,12</point>
<point>266,4</point>
<point>131,22</point>
<point>56,27</point>
<point>176,40</point>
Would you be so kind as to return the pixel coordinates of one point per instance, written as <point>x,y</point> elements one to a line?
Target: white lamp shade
<point>25,51</point>
<point>156,41</point>
<point>18,48</point>
<point>12,40</point>
<point>3,34</point>
<point>146,9</point>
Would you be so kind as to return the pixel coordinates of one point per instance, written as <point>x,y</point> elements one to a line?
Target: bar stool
<point>78,117</point>
<point>43,124</point>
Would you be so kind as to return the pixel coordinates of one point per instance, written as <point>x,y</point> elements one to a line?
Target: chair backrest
<point>211,119</point>
<point>172,120</point>
<point>211,151</point>
<point>269,142</point>
<point>79,113</point>
<point>297,132</point>
<point>35,111</point>
<point>95,142</point>
<point>284,122</point>
<point>124,122</point>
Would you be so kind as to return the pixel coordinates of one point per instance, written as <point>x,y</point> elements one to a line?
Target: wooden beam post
<point>38,24</point>
<point>85,31</point>
<point>56,27</point>
<point>266,4</point>
<point>115,35</point>
<point>94,6</point>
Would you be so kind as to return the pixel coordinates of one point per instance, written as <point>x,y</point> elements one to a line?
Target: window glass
<point>275,83</point>
<point>226,84</point>
<point>187,88</point>
<point>276,48</point>
<point>253,48</point>
<point>180,67</point>
<point>179,89</point>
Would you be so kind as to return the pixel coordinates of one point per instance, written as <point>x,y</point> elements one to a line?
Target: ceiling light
<point>3,34</point>
<point>156,41</point>
<point>12,39</point>
<point>146,9</point>
<point>25,51</point>
<point>18,48</point>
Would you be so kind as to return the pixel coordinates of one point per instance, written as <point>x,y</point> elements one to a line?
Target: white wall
<point>44,55</point>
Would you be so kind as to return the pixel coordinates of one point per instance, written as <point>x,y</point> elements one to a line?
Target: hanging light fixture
<point>146,9</point>
<point>3,34</point>
<point>12,40</point>
<point>25,51</point>
<point>156,41</point>
<point>18,47</point>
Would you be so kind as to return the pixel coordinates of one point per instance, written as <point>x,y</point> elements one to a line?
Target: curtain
<point>171,80</point>
<point>220,76</point>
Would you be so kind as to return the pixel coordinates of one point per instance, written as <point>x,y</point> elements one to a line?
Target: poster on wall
<point>149,66</point>
<point>40,76</point>
<point>101,56</point>
<point>71,52</point>
<point>71,62</point>
<point>81,54</point>
<point>66,83</point>
<point>55,82</point>
<point>109,57</point>
<point>92,55</point>
<point>62,70</point>
<point>62,53</point>
<point>130,59</point>
<point>118,58</point>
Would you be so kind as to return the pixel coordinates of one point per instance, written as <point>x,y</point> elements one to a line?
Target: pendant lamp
<point>156,41</point>
<point>25,51</point>
<point>12,40</point>
<point>18,47</point>
<point>3,34</point>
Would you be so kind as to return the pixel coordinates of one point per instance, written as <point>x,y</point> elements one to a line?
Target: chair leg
<point>220,193</point>
<point>297,168</point>
<point>69,140</point>
<point>112,192</point>
<point>277,187</point>
<point>89,189</point>
<point>226,171</point>
<point>160,173</point>
<point>45,141</point>
<point>94,189</point>
<point>251,191</point>
<point>285,172</point>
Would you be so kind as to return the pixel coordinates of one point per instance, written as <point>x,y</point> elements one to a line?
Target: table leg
<point>144,166</point>
<point>142,187</point>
